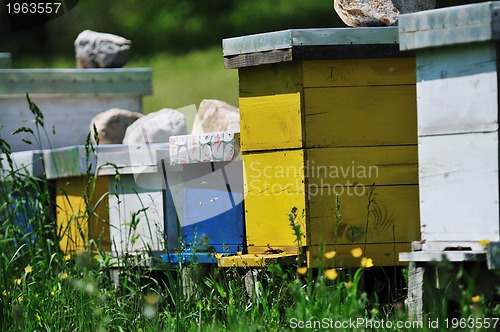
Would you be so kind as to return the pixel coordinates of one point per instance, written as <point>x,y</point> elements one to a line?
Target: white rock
<point>112,124</point>
<point>101,50</point>
<point>216,116</point>
<point>357,13</point>
<point>156,127</point>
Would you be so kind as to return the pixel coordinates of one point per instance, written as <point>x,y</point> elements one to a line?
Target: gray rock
<point>101,50</point>
<point>156,127</point>
<point>112,124</point>
<point>358,13</point>
<point>216,116</point>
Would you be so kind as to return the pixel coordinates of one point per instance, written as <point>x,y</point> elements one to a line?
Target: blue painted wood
<point>213,218</point>
<point>457,61</point>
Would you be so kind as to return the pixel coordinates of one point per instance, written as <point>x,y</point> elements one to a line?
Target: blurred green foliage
<point>171,26</point>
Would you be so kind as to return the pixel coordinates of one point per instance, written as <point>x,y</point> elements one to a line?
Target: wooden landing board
<point>459,187</point>
<point>274,184</point>
<point>74,229</point>
<point>360,116</point>
<point>393,216</point>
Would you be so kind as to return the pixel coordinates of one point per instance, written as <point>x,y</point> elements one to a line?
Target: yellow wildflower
<point>484,243</point>
<point>330,255</point>
<point>64,276</point>
<point>28,269</point>
<point>5,293</point>
<point>52,293</point>
<point>239,253</point>
<point>331,274</point>
<point>348,284</point>
<point>366,262</point>
<point>18,281</point>
<point>218,256</point>
<point>19,299</point>
<point>356,252</point>
<point>475,299</point>
<point>302,270</point>
<point>67,257</point>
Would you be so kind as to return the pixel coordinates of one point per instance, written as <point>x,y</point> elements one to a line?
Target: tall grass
<point>45,289</point>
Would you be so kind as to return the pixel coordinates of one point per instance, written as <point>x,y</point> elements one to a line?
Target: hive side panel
<point>382,165</point>
<point>359,72</point>
<point>274,184</point>
<point>457,89</point>
<point>360,116</point>
<point>380,214</point>
<point>459,183</point>
<point>73,226</point>
<point>270,107</point>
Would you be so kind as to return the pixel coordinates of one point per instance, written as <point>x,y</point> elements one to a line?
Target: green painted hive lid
<point>109,81</point>
<point>450,26</point>
<point>310,44</point>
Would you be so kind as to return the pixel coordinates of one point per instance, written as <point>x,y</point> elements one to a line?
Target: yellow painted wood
<point>257,260</point>
<point>271,122</point>
<point>360,116</point>
<point>363,165</point>
<point>274,184</point>
<point>359,72</point>
<point>272,79</point>
<point>393,217</point>
<point>382,254</point>
<point>76,230</point>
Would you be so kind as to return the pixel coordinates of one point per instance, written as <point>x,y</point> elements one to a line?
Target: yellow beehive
<point>74,223</point>
<point>328,119</point>
<point>82,212</point>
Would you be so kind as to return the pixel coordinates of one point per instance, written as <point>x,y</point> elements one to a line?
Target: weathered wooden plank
<point>271,122</point>
<point>129,81</point>
<point>136,214</point>
<point>392,216</point>
<point>361,116</point>
<point>268,80</point>
<point>274,184</point>
<point>457,61</point>
<point>387,165</point>
<point>69,114</point>
<point>382,254</point>
<point>448,26</point>
<point>74,228</point>
<point>459,183</point>
<point>5,61</point>
<point>359,72</point>
<point>256,59</point>
<point>458,105</point>
<point>291,38</point>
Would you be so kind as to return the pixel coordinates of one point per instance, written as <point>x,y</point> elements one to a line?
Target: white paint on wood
<point>70,115</point>
<point>128,198</point>
<point>458,105</point>
<point>459,193</point>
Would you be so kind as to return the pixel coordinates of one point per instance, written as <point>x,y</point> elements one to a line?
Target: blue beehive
<point>211,196</point>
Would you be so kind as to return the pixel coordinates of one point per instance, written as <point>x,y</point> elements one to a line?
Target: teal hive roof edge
<point>286,39</point>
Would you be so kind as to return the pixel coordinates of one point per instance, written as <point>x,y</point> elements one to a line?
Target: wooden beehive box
<point>327,113</point>
<point>211,187</point>
<point>68,99</point>
<point>458,104</point>
<point>5,60</point>
<point>137,203</point>
<point>67,167</point>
